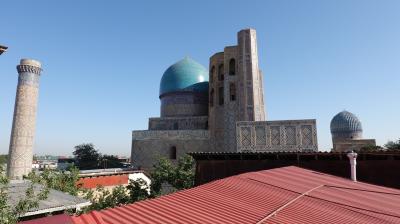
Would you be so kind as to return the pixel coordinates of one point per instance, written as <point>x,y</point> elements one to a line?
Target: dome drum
<point>184,90</point>
<point>183,104</point>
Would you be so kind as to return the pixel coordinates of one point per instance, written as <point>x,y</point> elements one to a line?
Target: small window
<point>212,98</point>
<point>232,91</point>
<point>176,126</point>
<point>221,95</point>
<point>221,72</point>
<point>232,67</point>
<point>172,152</point>
<point>212,71</point>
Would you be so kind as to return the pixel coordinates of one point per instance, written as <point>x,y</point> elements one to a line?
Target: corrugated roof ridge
<point>366,196</point>
<point>228,200</point>
<point>288,204</point>
<point>377,210</point>
<point>88,218</point>
<point>343,181</point>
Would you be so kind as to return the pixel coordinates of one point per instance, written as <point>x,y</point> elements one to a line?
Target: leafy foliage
<point>103,198</point>
<point>87,156</point>
<point>34,193</point>
<point>3,159</point>
<point>179,176</point>
<point>393,145</point>
<point>138,190</point>
<point>110,161</point>
<point>64,181</point>
<point>370,148</point>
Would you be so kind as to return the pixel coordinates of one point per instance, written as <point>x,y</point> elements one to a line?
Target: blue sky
<point>103,62</point>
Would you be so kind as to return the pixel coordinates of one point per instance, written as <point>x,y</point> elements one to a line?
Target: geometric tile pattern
<point>306,135</point>
<point>288,135</point>
<point>246,136</point>
<point>261,137</point>
<point>275,135</point>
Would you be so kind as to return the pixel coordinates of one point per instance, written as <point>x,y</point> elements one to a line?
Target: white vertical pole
<point>353,163</point>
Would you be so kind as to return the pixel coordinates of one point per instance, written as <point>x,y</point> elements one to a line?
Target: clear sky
<point>103,61</point>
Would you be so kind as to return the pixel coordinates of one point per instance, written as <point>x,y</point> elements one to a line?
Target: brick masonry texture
<point>24,122</point>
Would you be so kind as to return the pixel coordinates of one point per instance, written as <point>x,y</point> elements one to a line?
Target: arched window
<point>221,96</point>
<point>232,91</point>
<point>221,72</point>
<point>212,71</point>
<point>232,67</point>
<point>172,152</point>
<point>212,98</point>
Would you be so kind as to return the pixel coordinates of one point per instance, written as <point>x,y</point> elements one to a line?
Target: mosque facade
<point>220,109</point>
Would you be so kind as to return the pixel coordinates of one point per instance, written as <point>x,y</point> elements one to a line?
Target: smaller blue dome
<point>185,75</point>
<point>345,122</point>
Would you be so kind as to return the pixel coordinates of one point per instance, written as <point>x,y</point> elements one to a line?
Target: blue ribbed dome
<point>345,122</point>
<point>185,75</point>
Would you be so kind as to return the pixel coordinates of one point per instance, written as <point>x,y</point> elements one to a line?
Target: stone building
<point>217,110</point>
<point>24,121</point>
<point>346,130</point>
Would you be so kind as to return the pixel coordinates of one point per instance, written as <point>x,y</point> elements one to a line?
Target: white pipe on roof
<point>353,163</point>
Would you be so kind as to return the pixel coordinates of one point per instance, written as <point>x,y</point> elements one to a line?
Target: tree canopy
<point>393,145</point>
<point>179,176</point>
<point>87,156</point>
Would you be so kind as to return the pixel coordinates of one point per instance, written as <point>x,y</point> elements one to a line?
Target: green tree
<point>179,176</point>
<point>10,214</point>
<point>3,159</point>
<point>87,157</point>
<point>110,161</point>
<point>138,190</point>
<point>103,198</point>
<point>64,181</point>
<point>393,145</point>
<point>370,148</point>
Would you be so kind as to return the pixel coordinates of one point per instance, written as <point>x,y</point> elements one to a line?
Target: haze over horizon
<point>102,63</point>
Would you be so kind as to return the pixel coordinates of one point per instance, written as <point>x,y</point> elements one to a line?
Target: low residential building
<point>110,178</point>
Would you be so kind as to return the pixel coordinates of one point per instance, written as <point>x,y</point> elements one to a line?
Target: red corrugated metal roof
<point>269,196</point>
<point>55,219</point>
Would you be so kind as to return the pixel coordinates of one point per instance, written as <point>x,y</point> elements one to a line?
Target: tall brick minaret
<point>24,121</point>
<point>236,90</point>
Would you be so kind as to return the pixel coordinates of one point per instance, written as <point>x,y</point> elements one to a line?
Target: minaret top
<point>31,62</point>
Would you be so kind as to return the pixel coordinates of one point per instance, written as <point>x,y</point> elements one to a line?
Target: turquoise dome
<point>185,75</point>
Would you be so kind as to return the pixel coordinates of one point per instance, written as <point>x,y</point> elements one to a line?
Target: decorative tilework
<point>306,135</point>
<point>260,135</point>
<point>289,135</point>
<point>275,135</point>
<point>246,136</point>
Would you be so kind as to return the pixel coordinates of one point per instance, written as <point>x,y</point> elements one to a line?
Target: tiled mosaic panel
<point>275,135</point>
<point>306,135</point>
<point>246,136</point>
<point>261,137</point>
<point>290,135</point>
